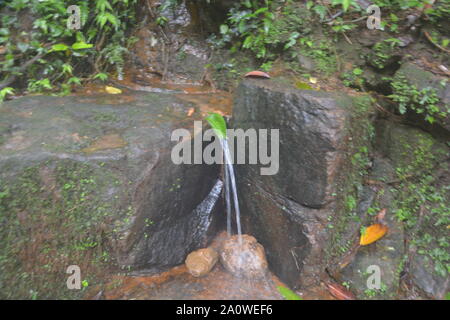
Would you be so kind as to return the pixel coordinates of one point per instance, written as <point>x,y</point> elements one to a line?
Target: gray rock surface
<point>288,212</point>
<point>89,180</point>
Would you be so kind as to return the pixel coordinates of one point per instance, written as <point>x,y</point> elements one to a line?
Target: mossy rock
<point>89,181</point>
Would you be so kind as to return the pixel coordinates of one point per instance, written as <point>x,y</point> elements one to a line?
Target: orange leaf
<point>373,233</point>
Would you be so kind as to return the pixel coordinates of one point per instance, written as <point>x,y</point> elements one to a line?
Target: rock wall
<point>289,212</point>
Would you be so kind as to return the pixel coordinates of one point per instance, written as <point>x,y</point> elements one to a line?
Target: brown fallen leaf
<point>339,292</point>
<point>190,112</point>
<point>373,233</point>
<point>257,74</point>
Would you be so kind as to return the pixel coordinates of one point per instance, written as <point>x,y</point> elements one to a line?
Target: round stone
<point>201,261</point>
<point>245,258</point>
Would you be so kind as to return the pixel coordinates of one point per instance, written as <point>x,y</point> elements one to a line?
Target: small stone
<point>411,19</point>
<point>405,41</point>
<point>201,261</point>
<point>246,260</point>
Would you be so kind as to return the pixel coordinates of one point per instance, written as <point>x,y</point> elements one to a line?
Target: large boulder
<point>89,181</point>
<point>289,212</point>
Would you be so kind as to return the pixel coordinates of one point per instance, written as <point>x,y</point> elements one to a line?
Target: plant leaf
<point>112,90</point>
<point>59,47</point>
<point>373,233</point>
<point>217,122</point>
<point>81,45</point>
<point>223,29</point>
<point>288,294</point>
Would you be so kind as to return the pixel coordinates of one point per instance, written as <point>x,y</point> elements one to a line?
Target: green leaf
<point>81,45</point>
<point>261,10</point>
<point>223,29</point>
<point>357,71</point>
<point>440,269</point>
<point>101,76</point>
<point>217,122</point>
<point>288,294</point>
<point>74,80</point>
<point>3,93</point>
<point>248,42</point>
<point>59,47</point>
<point>346,4</point>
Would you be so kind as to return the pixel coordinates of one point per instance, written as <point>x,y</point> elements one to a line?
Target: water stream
<point>231,180</point>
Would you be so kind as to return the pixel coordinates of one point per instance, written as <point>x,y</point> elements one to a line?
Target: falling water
<point>230,179</point>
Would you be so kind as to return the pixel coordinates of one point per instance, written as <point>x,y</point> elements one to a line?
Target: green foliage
<point>264,28</point>
<point>217,122</point>
<point>353,78</point>
<point>382,52</point>
<point>4,92</point>
<point>64,224</point>
<point>345,4</point>
<point>340,26</point>
<point>439,12</point>
<point>98,46</point>
<point>409,97</point>
<point>399,4</point>
<point>422,204</point>
<point>288,294</point>
<point>321,51</point>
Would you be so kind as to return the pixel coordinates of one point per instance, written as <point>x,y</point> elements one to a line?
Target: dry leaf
<point>373,233</point>
<point>257,74</point>
<point>339,292</point>
<point>190,112</point>
<point>313,80</point>
<point>112,90</point>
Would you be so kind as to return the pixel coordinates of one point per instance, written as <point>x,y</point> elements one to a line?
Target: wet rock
<point>422,275</point>
<point>91,179</point>
<point>399,147</point>
<point>246,259</point>
<point>201,261</point>
<point>386,255</point>
<point>396,141</point>
<point>287,212</point>
<point>175,53</point>
<point>421,79</point>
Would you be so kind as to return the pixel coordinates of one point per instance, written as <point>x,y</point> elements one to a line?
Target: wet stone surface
<point>101,189</point>
<point>244,257</point>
